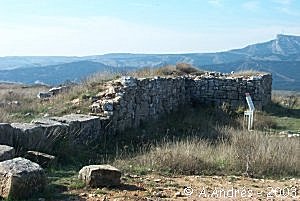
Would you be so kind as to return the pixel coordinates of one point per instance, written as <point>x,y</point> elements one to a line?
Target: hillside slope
<point>56,74</point>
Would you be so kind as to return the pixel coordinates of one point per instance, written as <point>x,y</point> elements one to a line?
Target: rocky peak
<point>286,44</point>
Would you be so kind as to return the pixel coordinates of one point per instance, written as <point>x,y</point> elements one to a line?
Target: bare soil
<point>192,188</point>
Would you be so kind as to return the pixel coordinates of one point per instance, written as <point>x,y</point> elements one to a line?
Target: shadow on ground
<point>278,110</point>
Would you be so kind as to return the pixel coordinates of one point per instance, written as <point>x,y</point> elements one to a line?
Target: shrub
<point>186,68</point>
<point>167,70</point>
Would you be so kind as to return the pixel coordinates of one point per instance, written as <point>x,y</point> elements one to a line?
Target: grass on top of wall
<point>169,70</point>
<point>248,73</point>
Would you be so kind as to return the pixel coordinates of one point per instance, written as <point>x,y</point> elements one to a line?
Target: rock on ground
<point>100,175</point>
<point>20,178</point>
<point>6,152</point>
<point>44,160</point>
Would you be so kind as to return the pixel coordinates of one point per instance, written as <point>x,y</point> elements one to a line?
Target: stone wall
<point>231,90</point>
<point>129,101</point>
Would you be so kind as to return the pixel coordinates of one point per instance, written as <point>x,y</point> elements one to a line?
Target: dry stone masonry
<point>128,101</point>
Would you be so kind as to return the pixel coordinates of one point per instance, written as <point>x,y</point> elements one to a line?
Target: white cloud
<point>251,5</point>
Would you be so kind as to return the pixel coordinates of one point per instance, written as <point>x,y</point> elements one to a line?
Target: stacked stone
<point>144,98</point>
<point>231,90</point>
<point>129,101</point>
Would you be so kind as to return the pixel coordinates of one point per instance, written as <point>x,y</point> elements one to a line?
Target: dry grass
<point>168,70</point>
<point>290,100</point>
<point>186,68</point>
<point>263,121</point>
<point>251,153</point>
<point>248,73</point>
<point>19,103</point>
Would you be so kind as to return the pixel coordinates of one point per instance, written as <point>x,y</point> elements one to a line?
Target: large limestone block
<point>6,152</point>
<point>36,136</point>
<point>44,160</point>
<point>83,129</point>
<point>20,178</point>
<point>100,175</point>
<point>29,136</point>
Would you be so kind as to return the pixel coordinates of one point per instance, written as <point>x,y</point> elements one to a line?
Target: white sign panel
<point>249,102</point>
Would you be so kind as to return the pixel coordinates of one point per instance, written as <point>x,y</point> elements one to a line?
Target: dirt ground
<point>192,188</point>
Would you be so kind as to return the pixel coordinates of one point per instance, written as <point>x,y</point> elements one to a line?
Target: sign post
<point>250,112</point>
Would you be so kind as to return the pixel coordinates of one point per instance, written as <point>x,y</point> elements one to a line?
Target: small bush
<point>167,70</point>
<point>186,68</point>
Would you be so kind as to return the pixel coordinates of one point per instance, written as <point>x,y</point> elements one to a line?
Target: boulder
<point>44,160</point>
<point>100,175</point>
<point>20,178</point>
<point>6,152</point>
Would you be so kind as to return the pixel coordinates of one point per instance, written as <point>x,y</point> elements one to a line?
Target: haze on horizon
<point>78,27</point>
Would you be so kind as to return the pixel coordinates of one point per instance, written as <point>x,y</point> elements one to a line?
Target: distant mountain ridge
<point>280,56</point>
<point>57,74</point>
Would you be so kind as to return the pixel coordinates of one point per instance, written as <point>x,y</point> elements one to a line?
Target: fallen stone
<point>20,178</point>
<point>100,175</point>
<point>6,152</point>
<point>44,160</point>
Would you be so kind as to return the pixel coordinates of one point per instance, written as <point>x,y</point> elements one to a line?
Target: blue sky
<point>89,27</point>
